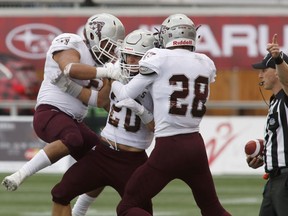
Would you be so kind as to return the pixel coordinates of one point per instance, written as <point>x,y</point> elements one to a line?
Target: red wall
<point>233,42</point>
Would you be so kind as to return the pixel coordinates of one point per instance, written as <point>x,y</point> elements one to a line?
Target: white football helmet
<point>136,43</point>
<point>102,32</point>
<point>178,30</point>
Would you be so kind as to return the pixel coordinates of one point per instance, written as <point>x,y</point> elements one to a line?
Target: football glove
<point>109,70</point>
<point>137,108</point>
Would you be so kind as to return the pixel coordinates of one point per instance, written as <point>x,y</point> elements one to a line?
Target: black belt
<point>276,172</point>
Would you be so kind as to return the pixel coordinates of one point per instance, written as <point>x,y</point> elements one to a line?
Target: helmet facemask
<point>106,51</point>
<point>128,70</point>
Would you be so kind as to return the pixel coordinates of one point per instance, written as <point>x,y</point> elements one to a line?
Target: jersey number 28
<point>199,100</point>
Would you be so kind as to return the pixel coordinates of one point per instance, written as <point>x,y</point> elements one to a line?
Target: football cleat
<point>12,182</point>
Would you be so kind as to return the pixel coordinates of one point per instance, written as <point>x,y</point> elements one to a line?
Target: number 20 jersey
<point>125,127</point>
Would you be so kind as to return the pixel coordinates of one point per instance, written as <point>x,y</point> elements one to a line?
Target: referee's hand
<point>273,47</point>
<point>254,162</point>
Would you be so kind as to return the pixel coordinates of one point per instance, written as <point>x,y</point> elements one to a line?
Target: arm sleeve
<point>135,87</point>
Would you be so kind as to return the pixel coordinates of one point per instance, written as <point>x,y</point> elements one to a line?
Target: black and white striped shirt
<point>276,133</point>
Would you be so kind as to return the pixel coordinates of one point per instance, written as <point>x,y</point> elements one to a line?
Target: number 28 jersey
<point>180,89</point>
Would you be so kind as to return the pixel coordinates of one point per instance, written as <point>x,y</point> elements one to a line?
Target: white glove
<point>109,70</point>
<point>123,79</point>
<point>137,108</point>
<point>66,85</point>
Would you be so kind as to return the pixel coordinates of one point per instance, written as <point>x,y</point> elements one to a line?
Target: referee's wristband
<point>279,59</point>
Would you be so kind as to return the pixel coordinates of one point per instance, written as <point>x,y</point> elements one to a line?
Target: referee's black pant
<point>275,194</point>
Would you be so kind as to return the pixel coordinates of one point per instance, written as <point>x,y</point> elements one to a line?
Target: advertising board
<point>232,41</point>
<point>224,138</point>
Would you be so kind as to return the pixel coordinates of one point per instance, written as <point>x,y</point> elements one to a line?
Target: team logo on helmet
<point>163,29</point>
<point>97,27</point>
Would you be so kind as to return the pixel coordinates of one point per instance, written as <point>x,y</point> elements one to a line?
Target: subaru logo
<point>31,41</point>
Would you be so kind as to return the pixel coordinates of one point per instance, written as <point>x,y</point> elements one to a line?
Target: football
<point>255,148</point>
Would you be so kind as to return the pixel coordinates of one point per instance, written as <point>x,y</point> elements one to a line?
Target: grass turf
<point>240,195</point>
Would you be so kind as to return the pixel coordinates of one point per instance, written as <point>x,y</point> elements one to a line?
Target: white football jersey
<point>125,127</point>
<point>51,94</point>
<point>180,88</point>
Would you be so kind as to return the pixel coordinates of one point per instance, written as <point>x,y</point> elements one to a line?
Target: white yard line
<point>246,200</point>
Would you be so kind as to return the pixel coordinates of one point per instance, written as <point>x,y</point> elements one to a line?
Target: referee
<point>273,76</point>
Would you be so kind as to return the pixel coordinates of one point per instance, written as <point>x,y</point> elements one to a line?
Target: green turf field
<point>241,195</point>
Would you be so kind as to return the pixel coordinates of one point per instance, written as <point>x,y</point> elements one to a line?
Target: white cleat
<point>12,182</point>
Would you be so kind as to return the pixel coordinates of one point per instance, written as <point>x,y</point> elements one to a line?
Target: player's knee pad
<point>73,141</point>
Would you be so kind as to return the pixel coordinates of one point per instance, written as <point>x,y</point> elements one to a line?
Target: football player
<point>124,139</point>
<point>58,116</point>
<point>178,80</point>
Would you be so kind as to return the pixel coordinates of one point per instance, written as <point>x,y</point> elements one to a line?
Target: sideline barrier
<point>19,143</point>
<point>225,138</point>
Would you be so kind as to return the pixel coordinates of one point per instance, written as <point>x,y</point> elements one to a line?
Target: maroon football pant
<point>51,124</point>
<point>176,157</point>
<point>100,167</point>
